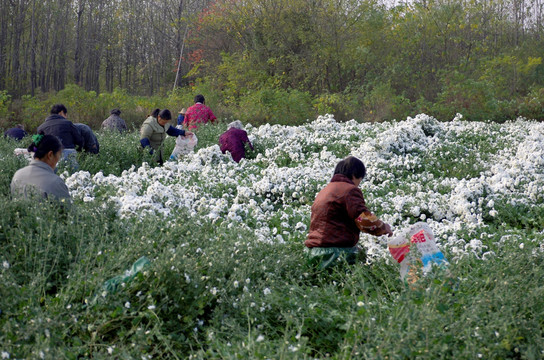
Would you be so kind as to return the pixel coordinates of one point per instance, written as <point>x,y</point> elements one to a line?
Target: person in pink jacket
<point>198,114</point>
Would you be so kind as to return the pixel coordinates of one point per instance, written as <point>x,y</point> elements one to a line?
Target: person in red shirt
<point>198,114</point>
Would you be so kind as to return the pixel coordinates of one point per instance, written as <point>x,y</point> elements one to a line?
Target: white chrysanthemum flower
<point>298,162</point>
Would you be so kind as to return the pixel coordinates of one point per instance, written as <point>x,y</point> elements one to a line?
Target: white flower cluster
<point>448,174</point>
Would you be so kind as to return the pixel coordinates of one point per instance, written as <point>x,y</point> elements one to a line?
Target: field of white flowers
<point>455,176</point>
<point>227,276</point>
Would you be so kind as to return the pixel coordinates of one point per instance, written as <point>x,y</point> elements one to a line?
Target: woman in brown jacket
<point>339,213</point>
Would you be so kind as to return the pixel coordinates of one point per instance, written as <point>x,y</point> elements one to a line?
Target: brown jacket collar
<point>341,178</point>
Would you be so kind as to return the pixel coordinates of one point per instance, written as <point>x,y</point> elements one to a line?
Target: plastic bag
<point>184,146</point>
<point>112,284</point>
<point>416,252</point>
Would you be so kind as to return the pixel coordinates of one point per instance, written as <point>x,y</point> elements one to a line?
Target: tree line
<point>355,58</point>
<point>97,44</point>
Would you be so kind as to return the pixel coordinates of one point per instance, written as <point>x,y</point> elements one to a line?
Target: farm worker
<point>154,131</point>
<point>114,122</point>
<point>233,140</point>
<point>17,133</point>
<point>57,124</point>
<point>90,142</point>
<point>39,178</point>
<point>198,114</point>
<point>339,213</point>
<point>181,116</point>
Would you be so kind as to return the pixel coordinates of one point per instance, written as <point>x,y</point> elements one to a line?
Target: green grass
<point>214,292</point>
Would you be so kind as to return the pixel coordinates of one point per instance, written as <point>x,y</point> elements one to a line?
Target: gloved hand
<point>145,143</point>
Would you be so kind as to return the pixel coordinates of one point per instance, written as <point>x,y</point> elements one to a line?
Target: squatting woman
<point>39,178</point>
<point>339,214</point>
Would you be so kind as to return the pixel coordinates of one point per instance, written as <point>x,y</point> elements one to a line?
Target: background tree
<point>356,58</point>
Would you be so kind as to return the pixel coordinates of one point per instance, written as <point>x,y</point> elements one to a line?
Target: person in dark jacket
<point>339,214</point>
<point>114,122</point>
<point>233,140</point>
<point>90,142</point>
<point>17,133</point>
<point>57,124</point>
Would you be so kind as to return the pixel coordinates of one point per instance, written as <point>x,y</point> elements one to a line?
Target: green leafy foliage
<point>474,99</point>
<point>5,101</point>
<point>286,106</point>
<point>213,291</point>
<point>89,108</point>
<point>532,105</point>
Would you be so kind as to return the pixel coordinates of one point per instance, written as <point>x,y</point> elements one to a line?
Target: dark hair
<point>165,114</point>
<point>58,108</point>
<point>199,98</point>
<point>351,167</point>
<point>115,112</point>
<point>155,112</point>
<point>45,144</point>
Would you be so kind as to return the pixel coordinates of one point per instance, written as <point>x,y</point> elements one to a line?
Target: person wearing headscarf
<point>234,141</point>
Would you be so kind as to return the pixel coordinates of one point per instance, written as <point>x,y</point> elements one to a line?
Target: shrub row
<point>474,99</point>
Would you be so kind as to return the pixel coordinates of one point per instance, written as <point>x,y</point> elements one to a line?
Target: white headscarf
<point>236,124</point>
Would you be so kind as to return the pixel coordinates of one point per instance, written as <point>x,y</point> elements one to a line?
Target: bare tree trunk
<point>78,61</point>
<point>180,57</point>
<point>44,49</point>
<point>539,14</point>
<point>33,42</point>
<point>59,68</point>
<point>94,46</point>
<point>4,14</point>
<point>109,70</point>
<point>15,54</point>
<point>180,39</point>
<point>518,20</point>
<point>538,18</point>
